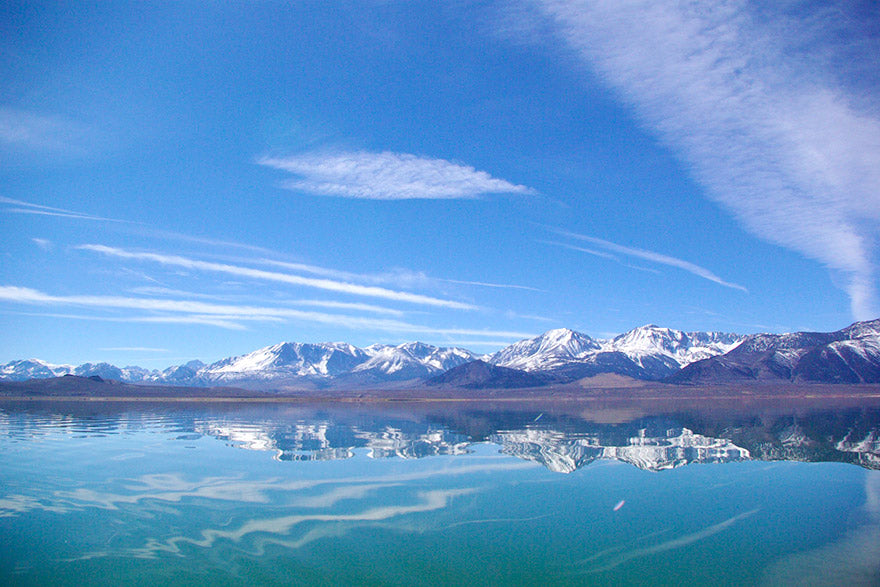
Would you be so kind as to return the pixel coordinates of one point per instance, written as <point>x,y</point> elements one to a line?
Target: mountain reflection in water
<point>564,444</point>
<point>650,438</point>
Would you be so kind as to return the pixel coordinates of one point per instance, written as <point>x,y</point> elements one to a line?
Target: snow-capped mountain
<point>178,374</point>
<point>32,369</point>
<point>411,360</point>
<point>850,355</point>
<point>551,350</point>
<point>682,347</point>
<point>286,360</point>
<point>647,352</point>
<point>292,361</point>
<point>283,363</point>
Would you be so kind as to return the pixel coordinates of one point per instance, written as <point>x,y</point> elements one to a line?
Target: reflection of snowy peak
<point>867,448</point>
<point>653,453</point>
<point>655,443</point>
<point>648,352</point>
<point>324,440</point>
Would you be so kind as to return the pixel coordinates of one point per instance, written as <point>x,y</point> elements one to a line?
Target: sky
<point>195,180</point>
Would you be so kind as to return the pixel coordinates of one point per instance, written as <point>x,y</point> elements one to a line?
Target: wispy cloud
<point>397,277</point>
<point>229,316</point>
<point>218,321</point>
<point>493,285</point>
<point>770,132</point>
<point>43,243</point>
<point>481,344</point>
<point>259,274</point>
<point>646,255</point>
<point>40,210</point>
<point>593,252</point>
<point>164,291</point>
<point>515,315</point>
<point>23,129</point>
<point>388,176</point>
<point>135,349</point>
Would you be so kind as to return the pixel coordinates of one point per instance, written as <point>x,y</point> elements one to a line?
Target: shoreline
<point>294,399</point>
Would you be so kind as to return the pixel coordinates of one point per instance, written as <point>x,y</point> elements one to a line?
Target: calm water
<point>150,494</point>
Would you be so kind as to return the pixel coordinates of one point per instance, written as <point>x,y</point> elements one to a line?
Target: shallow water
<point>154,494</point>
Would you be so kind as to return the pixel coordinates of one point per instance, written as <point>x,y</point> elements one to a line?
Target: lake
<point>109,493</point>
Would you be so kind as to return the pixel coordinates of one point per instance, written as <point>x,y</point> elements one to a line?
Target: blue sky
<point>200,179</point>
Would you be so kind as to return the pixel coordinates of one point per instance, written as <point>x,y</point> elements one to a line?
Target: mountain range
<point>649,353</point>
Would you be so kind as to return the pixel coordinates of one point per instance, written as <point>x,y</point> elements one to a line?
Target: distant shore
<point>78,389</point>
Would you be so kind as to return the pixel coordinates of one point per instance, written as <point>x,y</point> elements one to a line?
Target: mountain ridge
<point>848,355</point>
<point>648,353</point>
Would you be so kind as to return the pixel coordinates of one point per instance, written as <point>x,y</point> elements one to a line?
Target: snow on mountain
<point>412,360</point>
<point>102,370</point>
<point>335,360</point>
<point>287,360</point>
<point>553,349</point>
<point>187,374</point>
<point>32,369</point>
<point>682,347</point>
<point>850,355</point>
<point>647,352</point>
<point>283,362</point>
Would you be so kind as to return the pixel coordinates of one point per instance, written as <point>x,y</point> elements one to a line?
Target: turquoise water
<point>192,495</point>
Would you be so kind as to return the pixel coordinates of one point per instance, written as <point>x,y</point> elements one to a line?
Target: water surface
<point>106,493</point>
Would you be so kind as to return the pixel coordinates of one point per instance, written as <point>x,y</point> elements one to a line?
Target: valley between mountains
<point>557,357</point>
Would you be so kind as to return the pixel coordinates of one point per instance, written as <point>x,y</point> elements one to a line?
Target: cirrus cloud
<point>388,176</point>
<point>773,134</point>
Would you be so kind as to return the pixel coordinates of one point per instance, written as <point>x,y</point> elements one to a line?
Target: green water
<point>158,495</point>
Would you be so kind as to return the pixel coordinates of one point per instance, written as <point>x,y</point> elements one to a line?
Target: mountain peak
<point>649,352</point>
<point>550,349</point>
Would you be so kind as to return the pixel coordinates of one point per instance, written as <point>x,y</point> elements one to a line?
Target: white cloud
<point>772,136</point>
<point>164,291</point>
<point>20,128</point>
<point>593,252</point>
<point>136,349</point>
<point>647,256</point>
<point>388,176</point>
<point>259,274</point>
<point>493,285</point>
<point>228,316</point>
<point>491,345</point>
<point>39,210</point>
<point>397,277</point>
<point>217,321</point>
<point>43,243</point>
